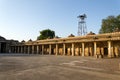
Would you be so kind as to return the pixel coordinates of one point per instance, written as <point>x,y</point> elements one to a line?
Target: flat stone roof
<point>87,38</point>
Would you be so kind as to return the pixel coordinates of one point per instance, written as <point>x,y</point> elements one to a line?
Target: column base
<point>98,56</point>
<point>117,56</point>
<point>73,55</point>
<point>83,55</point>
<point>109,56</point>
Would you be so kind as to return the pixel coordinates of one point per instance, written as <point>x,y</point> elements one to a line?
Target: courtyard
<point>52,67</point>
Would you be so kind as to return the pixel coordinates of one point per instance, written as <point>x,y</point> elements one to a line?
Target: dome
<point>2,38</point>
<point>30,40</point>
<point>91,33</point>
<point>71,35</point>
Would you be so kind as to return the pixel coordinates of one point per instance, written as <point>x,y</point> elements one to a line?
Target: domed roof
<point>2,38</point>
<point>91,33</point>
<point>30,40</point>
<point>71,35</point>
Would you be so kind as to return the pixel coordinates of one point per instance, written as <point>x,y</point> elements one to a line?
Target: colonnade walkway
<point>73,49</point>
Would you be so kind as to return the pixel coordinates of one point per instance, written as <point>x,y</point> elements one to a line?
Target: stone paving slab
<point>51,67</point>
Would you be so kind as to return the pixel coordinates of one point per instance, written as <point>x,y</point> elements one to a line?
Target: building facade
<point>5,45</point>
<point>100,45</point>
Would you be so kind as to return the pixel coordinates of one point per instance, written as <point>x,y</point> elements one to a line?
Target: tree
<point>45,34</point>
<point>110,24</point>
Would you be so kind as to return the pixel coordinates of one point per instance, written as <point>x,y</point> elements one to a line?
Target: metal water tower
<point>82,28</point>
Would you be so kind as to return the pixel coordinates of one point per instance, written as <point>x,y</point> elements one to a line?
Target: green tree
<point>45,34</point>
<point>110,24</point>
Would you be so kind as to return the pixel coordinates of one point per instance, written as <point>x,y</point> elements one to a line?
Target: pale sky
<point>23,19</point>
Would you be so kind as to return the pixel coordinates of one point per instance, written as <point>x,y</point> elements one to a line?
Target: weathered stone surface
<point>47,67</point>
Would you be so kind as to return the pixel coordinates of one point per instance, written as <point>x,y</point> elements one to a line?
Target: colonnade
<point>62,48</point>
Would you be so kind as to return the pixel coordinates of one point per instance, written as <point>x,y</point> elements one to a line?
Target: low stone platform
<point>48,67</point>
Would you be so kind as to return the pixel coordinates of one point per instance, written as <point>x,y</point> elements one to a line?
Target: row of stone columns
<point>109,49</point>
<point>26,49</point>
<point>40,49</point>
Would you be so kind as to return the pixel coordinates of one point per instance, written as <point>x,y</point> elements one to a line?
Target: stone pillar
<point>102,51</point>
<point>21,49</point>
<point>0,47</point>
<point>38,49</point>
<point>32,49</point>
<point>11,49</point>
<point>64,49</point>
<point>98,50</point>
<point>78,51</point>
<point>42,49</point>
<point>50,49</point>
<point>18,49</point>
<point>73,49</point>
<point>24,49</point>
<point>15,49</point>
<point>95,49</point>
<point>90,51</point>
<point>112,51</point>
<point>83,49</point>
<point>28,49</point>
<point>109,49</point>
<point>56,49</point>
<point>116,51</point>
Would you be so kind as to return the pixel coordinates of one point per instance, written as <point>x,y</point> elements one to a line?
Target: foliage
<point>110,24</point>
<point>45,34</point>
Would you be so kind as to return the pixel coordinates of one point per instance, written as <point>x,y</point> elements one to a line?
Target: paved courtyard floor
<point>52,67</point>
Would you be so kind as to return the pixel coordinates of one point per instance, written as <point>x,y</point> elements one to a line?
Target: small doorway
<point>105,51</point>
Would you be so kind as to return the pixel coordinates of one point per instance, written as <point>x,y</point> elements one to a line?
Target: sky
<point>24,19</point>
